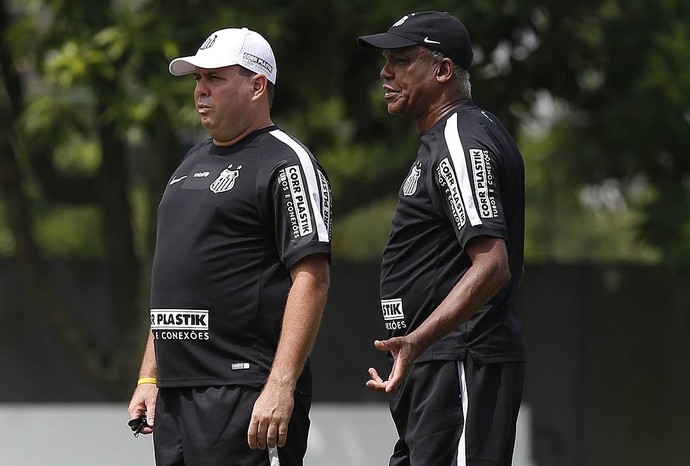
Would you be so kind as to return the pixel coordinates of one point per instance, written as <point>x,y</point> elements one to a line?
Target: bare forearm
<point>488,274</point>
<point>148,362</point>
<point>303,311</point>
<point>466,298</point>
<point>306,300</point>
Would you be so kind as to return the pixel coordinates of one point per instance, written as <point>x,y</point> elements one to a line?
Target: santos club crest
<point>410,185</point>
<point>226,180</point>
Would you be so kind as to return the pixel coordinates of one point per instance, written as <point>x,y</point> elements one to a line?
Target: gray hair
<point>461,74</point>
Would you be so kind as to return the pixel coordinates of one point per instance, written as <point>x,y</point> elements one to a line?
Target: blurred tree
<point>86,100</point>
<point>95,125</point>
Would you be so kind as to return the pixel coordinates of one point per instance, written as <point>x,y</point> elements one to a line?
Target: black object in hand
<point>137,424</point>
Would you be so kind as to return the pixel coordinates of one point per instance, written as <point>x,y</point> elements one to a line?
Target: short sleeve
<point>468,184</point>
<point>302,202</point>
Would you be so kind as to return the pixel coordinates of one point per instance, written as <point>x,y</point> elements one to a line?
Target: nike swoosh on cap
<point>429,41</point>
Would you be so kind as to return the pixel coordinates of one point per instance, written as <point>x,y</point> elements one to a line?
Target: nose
<point>386,71</point>
<point>200,90</point>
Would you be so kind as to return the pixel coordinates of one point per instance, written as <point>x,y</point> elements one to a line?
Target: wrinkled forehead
<point>408,52</point>
<point>413,53</point>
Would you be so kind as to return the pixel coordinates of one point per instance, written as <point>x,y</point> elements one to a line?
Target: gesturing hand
<point>403,353</point>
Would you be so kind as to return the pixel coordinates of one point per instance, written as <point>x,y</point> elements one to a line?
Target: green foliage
<point>95,125</point>
<point>70,231</point>
<point>621,67</point>
<point>362,235</point>
<point>569,221</point>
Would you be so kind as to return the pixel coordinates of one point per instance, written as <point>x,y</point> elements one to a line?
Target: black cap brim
<point>385,40</point>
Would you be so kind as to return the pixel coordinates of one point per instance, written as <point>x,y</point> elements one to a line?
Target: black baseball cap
<point>434,30</point>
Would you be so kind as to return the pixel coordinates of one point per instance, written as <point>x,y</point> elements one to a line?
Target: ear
<point>445,70</point>
<point>260,83</point>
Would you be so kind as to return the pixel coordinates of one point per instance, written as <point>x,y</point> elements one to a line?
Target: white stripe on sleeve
<point>312,183</point>
<point>457,155</point>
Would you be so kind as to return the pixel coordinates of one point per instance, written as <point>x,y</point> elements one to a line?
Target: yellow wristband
<point>146,380</point>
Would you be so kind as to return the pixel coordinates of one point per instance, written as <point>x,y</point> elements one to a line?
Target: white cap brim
<point>187,65</point>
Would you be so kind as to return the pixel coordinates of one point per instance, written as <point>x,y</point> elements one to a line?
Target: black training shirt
<point>467,181</point>
<point>231,223</point>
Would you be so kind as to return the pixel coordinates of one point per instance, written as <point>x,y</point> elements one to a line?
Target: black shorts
<point>208,426</point>
<point>454,413</point>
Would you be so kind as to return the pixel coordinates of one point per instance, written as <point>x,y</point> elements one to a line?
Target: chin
<point>393,110</point>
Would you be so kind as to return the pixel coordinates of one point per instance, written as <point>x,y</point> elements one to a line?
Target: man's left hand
<point>270,417</point>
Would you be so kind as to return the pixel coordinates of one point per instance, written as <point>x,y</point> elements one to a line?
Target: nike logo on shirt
<point>175,180</point>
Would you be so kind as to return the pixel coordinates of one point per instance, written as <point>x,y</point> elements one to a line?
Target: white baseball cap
<point>232,46</point>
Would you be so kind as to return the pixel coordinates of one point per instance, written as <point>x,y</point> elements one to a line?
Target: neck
<point>437,113</point>
<point>255,127</point>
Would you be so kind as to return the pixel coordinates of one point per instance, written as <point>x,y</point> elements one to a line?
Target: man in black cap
<point>454,260</point>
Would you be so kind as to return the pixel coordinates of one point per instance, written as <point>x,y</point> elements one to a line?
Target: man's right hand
<point>144,401</point>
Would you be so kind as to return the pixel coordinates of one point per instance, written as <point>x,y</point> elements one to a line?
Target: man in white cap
<point>240,275</point>
<point>454,259</point>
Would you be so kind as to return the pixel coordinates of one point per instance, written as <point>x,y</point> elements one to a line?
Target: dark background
<point>607,373</point>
